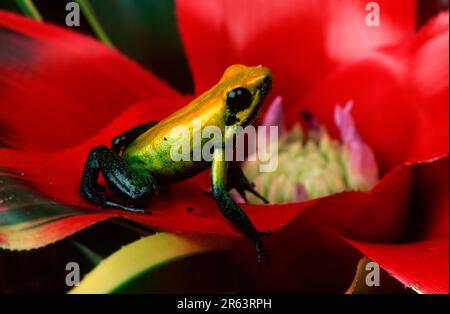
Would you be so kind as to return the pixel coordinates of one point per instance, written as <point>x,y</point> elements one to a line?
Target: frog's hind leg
<point>122,141</point>
<point>132,183</point>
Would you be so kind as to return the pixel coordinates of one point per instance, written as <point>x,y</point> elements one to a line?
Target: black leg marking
<point>234,214</point>
<point>126,138</point>
<point>131,183</point>
<point>236,179</point>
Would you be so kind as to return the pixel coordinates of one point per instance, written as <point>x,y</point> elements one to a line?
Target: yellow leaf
<point>143,255</point>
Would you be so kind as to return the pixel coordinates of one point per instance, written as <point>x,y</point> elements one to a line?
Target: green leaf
<point>29,9</point>
<point>147,32</point>
<point>93,22</point>
<point>162,262</point>
<point>10,6</point>
<point>92,256</point>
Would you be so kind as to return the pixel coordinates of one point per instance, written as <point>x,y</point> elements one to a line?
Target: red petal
<point>58,87</point>
<point>400,98</point>
<point>304,258</point>
<point>422,265</point>
<point>421,262</point>
<point>429,78</point>
<point>299,40</point>
<point>407,234</point>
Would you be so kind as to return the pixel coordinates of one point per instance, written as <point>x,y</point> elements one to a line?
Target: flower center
<point>312,164</point>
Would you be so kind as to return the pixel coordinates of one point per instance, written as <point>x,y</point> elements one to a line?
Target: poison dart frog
<point>139,159</point>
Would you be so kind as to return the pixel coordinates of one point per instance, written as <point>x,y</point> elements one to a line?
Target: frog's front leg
<point>229,208</point>
<point>131,182</point>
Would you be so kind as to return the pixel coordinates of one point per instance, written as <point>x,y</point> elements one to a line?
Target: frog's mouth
<point>261,93</point>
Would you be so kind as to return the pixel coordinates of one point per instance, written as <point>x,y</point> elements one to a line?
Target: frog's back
<point>153,148</point>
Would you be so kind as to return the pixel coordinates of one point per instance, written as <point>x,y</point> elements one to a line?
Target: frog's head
<point>244,90</point>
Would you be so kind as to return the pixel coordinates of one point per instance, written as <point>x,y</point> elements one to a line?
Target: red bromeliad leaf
<point>409,241</point>
<point>400,98</point>
<point>300,41</point>
<point>420,265</point>
<point>57,88</point>
<point>429,75</point>
<point>421,260</point>
<point>304,257</point>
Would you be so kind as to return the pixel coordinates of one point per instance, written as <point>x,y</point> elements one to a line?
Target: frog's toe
<point>261,253</point>
<point>109,204</point>
<point>236,179</point>
<point>137,210</point>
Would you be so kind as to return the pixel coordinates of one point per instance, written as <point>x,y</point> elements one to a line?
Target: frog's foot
<point>110,204</point>
<point>261,253</point>
<point>236,179</point>
<point>130,183</point>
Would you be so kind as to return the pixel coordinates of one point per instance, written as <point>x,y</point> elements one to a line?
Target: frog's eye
<point>239,99</point>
